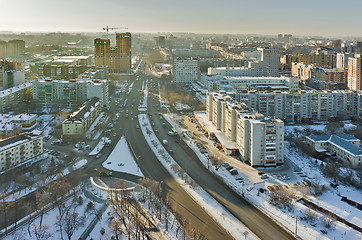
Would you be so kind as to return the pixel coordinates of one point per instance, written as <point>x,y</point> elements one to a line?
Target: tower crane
<point>112,28</point>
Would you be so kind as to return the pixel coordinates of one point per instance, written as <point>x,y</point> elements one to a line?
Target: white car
<point>137,126</point>
<point>98,155</point>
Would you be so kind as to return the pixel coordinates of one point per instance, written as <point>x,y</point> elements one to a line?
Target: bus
<point>175,133</point>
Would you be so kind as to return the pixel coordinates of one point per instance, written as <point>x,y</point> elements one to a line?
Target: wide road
<point>255,220</point>
<point>152,168</point>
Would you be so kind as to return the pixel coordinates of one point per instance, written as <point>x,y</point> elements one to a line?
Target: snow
<point>215,210</point>
<point>122,160</point>
<point>329,200</point>
<point>50,219</point>
<point>103,141</point>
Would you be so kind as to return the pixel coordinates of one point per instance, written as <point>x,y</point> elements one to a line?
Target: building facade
<point>186,71</point>
<point>69,92</point>
<point>218,82</point>
<point>355,73</point>
<point>117,58</point>
<point>79,121</point>
<point>14,95</point>
<point>19,149</point>
<point>266,65</point>
<point>344,147</point>
<point>260,140</point>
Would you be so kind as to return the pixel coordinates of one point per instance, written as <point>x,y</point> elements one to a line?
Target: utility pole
<point>296,226</point>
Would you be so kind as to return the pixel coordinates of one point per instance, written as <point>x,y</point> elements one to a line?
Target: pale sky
<point>268,17</point>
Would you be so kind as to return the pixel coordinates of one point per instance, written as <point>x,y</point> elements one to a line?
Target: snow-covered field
<point>122,160</point>
<point>216,211</point>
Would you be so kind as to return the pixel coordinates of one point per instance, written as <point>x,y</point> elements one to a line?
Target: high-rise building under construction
<point>118,58</point>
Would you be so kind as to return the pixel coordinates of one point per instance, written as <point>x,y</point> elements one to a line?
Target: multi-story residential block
<point>320,78</point>
<point>186,71</point>
<point>13,48</point>
<point>260,140</point>
<point>69,92</point>
<point>267,64</point>
<point>20,149</point>
<point>218,82</point>
<point>344,147</point>
<point>79,121</point>
<point>342,60</point>
<point>67,72</point>
<point>355,73</point>
<point>14,95</point>
<point>117,58</point>
<point>303,105</point>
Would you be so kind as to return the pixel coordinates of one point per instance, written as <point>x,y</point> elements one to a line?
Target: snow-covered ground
<point>50,219</point>
<point>329,199</point>
<point>122,160</point>
<point>102,142</point>
<point>216,211</point>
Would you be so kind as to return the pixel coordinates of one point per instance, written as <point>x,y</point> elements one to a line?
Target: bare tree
<point>116,228</point>
<point>41,233</point>
<point>71,222</point>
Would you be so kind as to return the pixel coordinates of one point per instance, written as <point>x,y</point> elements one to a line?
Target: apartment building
<point>186,71</point>
<point>344,147</point>
<point>260,140</point>
<point>219,82</point>
<point>12,48</point>
<point>14,95</point>
<point>67,72</point>
<point>342,60</point>
<point>267,64</point>
<point>355,73</point>
<point>79,121</point>
<point>117,58</point>
<point>303,105</point>
<point>47,91</point>
<point>20,149</point>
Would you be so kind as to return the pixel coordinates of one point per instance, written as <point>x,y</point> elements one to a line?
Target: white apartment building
<point>267,64</point>
<point>71,92</point>
<point>20,149</point>
<point>304,105</point>
<point>98,89</point>
<point>186,71</point>
<point>342,60</point>
<point>260,140</point>
<point>219,82</point>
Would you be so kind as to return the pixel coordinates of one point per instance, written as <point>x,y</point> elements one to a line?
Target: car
<point>114,134</point>
<point>137,126</point>
<point>170,133</point>
<point>234,172</point>
<point>98,155</point>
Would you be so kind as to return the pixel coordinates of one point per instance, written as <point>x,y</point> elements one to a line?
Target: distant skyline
<point>328,18</point>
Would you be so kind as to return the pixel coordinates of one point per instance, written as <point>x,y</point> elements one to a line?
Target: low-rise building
<point>20,149</point>
<point>78,122</point>
<point>219,82</point>
<point>11,125</point>
<point>344,147</point>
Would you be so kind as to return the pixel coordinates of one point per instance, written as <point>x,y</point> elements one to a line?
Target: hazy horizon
<point>305,18</point>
